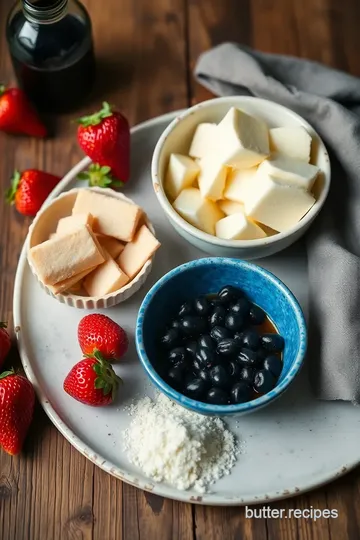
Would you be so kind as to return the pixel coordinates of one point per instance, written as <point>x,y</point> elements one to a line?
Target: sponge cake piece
<point>137,252</point>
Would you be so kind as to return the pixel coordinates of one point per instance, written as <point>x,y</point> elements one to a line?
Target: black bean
<point>234,369</point>
<point>185,309</point>
<point>205,356</point>
<point>191,348</point>
<point>248,357</point>
<point>176,376</point>
<point>228,293</point>
<point>234,322</point>
<point>274,365</point>
<point>272,342</point>
<point>202,305</point>
<point>241,392</point>
<point>193,325</point>
<point>218,333</point>
<point>227,347</point>
<point>217,318</point>
<point>256,315</point>
<point>217,396</point>
<point>247,374</point>
<point>264,381</point>
<point>204,374</point>
<point>241,306</point>
<point>195,388</point>
<point>170,338</point>
<point>197,366</point>
<point>250,339</point>
<point>220,377</point>
<point>176,324</point>
<point>262,354</point>
<point>177,354</point>
<point>206,341</point>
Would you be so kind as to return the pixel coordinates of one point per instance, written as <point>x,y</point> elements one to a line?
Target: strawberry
<point>98,332</point>
<point>92,381</point>
<point>105,138</point>
<point>30,189</point>
<point>17,115</point>
<point>17,400</point>
<point>5,342</point>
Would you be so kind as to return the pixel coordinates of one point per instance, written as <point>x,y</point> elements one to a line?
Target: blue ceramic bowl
<point>204,276</point>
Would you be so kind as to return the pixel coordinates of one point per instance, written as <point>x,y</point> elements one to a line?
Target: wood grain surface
<point>146,52</point>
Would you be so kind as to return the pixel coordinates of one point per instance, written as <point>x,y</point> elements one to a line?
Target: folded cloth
<point>330,100</point>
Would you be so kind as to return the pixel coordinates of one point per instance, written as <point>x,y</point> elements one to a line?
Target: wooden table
<point>146,51</point>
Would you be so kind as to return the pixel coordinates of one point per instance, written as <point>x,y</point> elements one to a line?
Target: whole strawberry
<point>17,399</point>
<point>92,381</point>
<point>5,343</point>
<point>30,189</point>
<point>105,138</point>
<point>17,115</point>
<point>98,332</point>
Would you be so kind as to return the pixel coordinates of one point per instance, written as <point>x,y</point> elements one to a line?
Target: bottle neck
<point>44,11</point>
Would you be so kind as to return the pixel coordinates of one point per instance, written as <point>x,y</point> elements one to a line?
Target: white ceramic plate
<point>291,446</point>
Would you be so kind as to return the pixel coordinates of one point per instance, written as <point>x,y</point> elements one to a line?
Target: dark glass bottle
<point>51,48</point>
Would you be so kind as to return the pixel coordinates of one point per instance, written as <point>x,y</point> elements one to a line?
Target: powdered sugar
<point>172,444</point>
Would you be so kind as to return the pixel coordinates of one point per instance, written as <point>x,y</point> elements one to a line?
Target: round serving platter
<point>292,446</point>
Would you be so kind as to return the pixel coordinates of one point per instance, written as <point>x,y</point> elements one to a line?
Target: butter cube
<point>204,141</point>
<point>243,140</point>
<point>238,183</point>
<point>110,245</point>
<point>293,142</point>
<point>105,279</point>
<point>212,178</point>
<point>181,173</point>
<point>199,212</point>
<point>137,252</point>
<point>230,207</point>
<point>66,255</point>
<point>113,216</point>
<point>290,172</point>
<point>238,227</point>
<point>275,204</point>
<point>68,224</point>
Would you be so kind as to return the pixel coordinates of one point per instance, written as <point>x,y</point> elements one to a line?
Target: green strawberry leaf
<point>96,118</point>
<point>3,324</point>
<point>7,374</point>
<point>11,192</point>
<point>99,176</point>
<point>2,89</point>
<point>107,389</point>
<point>99,383</point>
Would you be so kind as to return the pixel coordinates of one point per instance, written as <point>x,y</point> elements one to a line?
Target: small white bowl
<point>45,224</point>
<point>176,139</point>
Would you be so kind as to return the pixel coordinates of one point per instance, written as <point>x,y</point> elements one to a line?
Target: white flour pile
<point>172,444</point>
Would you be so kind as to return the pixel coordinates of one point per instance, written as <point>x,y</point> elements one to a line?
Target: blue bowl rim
<point>205,408</point>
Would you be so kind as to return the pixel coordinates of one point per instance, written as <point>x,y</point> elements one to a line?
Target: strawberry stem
<point>5,374</point>
<point>106,379</point>
<point>96,118</point>
<point>99,176</point>
<point>11,192</point>
<point>3,324</point>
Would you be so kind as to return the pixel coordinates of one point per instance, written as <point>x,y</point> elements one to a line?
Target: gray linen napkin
<point>330,101</point>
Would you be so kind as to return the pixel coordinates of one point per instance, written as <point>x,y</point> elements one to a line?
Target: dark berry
<point>220,377</point>
<point>185,309</point>
<point>217,396</point>
<point>217,318</point>
<point>256,315</point>
<point>242,307</point>
<point>218,333</point>
<point>234,322</point>
<point>170,338</point>
<point>250,339</point>
<point>272,342</point>
<point>206,341</point>
<point>177,355</point>
<point>176,376</point>
<point>195,388</point>
<point>227,347</point>
<point>193,325</point>
<point>264,381</point>
<point>248,357</point>
<point>274,365</point>
<point>228,293</point>
<point>241,392</point>
<point>247,374</point>
<point>202,305</point>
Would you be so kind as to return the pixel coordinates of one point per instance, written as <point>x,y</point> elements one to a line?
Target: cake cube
<point>138,251</point>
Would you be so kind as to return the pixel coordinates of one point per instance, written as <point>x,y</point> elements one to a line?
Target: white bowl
<point>177,137</point>
<point>45,224</point>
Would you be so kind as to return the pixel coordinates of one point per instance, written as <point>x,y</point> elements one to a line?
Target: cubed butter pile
<point>97,250</point>
<point>242,180</point>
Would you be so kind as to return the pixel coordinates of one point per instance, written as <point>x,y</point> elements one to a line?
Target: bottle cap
<point>44,11</point>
